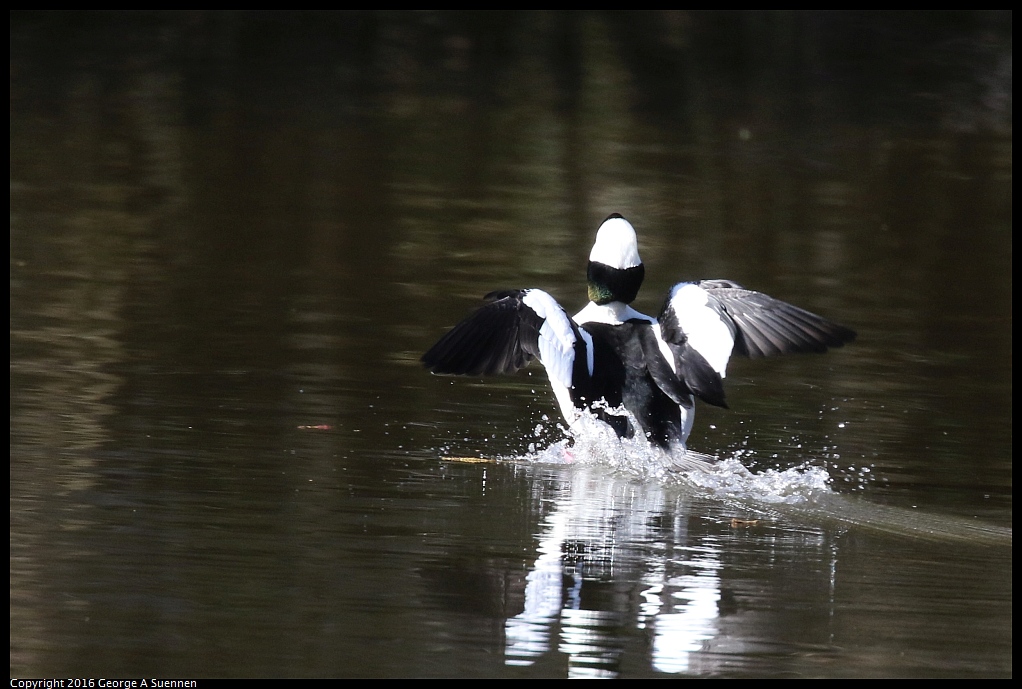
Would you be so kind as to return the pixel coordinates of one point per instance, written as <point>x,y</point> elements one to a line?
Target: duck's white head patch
<point>616,245</point>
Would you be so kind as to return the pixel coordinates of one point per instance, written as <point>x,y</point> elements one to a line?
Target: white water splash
<point>593,443</point>
<point>729,478</point>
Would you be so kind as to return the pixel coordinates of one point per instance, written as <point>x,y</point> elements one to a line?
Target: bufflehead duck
<point>610,356</point>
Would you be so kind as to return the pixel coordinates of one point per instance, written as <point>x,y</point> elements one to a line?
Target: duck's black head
<point>615,270</point>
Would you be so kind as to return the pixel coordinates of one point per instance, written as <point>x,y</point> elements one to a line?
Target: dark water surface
<point>233,235</point>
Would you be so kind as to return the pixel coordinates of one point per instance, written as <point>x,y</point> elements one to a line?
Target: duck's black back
<point>622,376</point>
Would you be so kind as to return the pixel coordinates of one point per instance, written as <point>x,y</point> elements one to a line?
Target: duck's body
<point>610,356</point>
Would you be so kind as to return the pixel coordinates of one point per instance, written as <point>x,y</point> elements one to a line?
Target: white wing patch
<point>707,333</point>
<point>589,349</point>
<point>556,338</point>
<point>665,350</point>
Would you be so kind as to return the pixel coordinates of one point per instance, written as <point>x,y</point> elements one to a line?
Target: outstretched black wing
<point>705,322</point>
<point>500,337</point>
<point>512,329</point>
<point>765,326</point>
